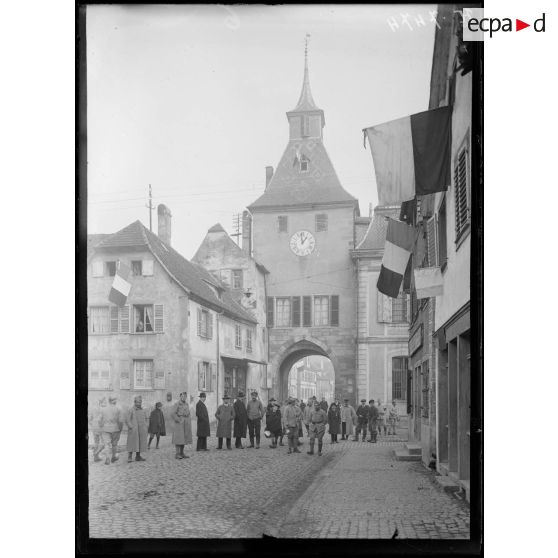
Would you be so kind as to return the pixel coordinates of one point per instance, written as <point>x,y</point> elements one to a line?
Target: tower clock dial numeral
<point>302,243</point>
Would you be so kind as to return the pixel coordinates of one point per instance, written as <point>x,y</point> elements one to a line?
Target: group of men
<point>238,420</point>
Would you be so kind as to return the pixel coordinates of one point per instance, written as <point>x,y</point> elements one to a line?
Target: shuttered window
<point>238,336</point>
<point>461,185</point>
<point>248,340</point>
<point>97,268</point>
<point>296,311</point>
<point>205,323</point>
<point>143,318</point>
<point>114,319</point>
<point>237,278</point>
<point>306,311</point>
<point>321,310</point>
<point>124,316</point>
<point>99,374</point>
<point>160,367</point>
<point>321,222</point>
<point>283,312</point>
<point>143,374</point>
<point>399,309</point>
<point>282,223</point>
<point>125,366</point>
<point>432,241</point>
<point>204,376</point>
<point>399,378</point>
<point>270,311</point>
<point>147,267</point>
<point>99,319</point>
<point>425,391</point>
<point>442,234</point>
<point>159,318</point>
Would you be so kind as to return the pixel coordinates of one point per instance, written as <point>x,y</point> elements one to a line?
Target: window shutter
<point>125,367</point>
<point>125,319</point>
<point>114,319</point>
<point>97,268</point>
<point>307,311</point>
<point>269,308</point>
<point>159,318</point>
<point>199,322</point>
<point>384,308</point>
<point>296,311</point>
<point>147,267</point>
<point>432,242</point>
<point>209,325</point>
<point>334,310</point>
<point>461,202</point>
<point>160,374</point>
<point>201,387</point>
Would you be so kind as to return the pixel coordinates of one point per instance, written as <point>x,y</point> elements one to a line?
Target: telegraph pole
<point>151,208</point>
<point>236,227</point>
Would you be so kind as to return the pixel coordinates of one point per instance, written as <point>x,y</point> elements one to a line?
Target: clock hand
<point>302,238</point>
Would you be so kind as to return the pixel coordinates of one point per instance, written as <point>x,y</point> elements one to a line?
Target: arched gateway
<point>303,229</point>
<point>291,352</point>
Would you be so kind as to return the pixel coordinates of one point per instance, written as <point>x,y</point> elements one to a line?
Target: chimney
<point>268,175</point>
<point>247,232</point>
<point>164,218</point>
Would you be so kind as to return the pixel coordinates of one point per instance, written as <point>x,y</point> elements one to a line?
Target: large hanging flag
<point>428,282</point>
<point>120,286</point>
<point>412,155</point>
<point>397,250</point>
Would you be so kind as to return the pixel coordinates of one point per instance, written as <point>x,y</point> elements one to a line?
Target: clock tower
<point>303,231</point>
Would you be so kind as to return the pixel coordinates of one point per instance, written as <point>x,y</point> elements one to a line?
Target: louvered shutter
<point>334,310</point>
<point>97,268</point>
<point>199,322</point>
<point>209,325</point>
<point>409,392</point>
<point>307,311</point>
<point>270,313</point>
<point>114,319</point>
<point>432,241</point>
<point>201,386</point>
<point>147,267</point>
<point>461,202</point>
<point>384,308</point>
<point>125,369</point>
<point>296,311</point>
<point>125,319</point>
<point>159,318</point>
<point>160,366</point>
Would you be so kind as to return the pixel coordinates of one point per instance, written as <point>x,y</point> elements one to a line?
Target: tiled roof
<point>291,187</point>
<point>92,241</point>
<point>375,237</point>
<point>192,277</point>
<point>217,228</point>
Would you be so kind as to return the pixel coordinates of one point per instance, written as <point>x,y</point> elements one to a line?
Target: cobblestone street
<point>355,490</point>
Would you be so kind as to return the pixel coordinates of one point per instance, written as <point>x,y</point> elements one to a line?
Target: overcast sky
<point>192,100</point>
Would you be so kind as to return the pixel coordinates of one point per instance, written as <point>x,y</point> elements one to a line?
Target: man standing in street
<point>318,421</point>
<point>362,413</point>
<point>290,419</point>
<point>136,420</point>
<point>225,419</point>
<point>240,420</point>
<point>182,434</point>
<point>110,425</point>
<point>202,431</point>
<point>306,416</point>
<point>323,404</point>
<point>255,413</point>
<point>393,418</point>
<point>94,417</point>
<point>373,421</point>
<point>348,418</point>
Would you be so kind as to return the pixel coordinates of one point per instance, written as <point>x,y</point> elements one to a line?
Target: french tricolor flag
<point>412,155</point>
<point>400,239</point>
<point>120,286</point>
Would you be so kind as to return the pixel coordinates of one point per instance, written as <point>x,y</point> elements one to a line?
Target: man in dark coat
<point>202,431</point>
<point>240,420</point>
<point>323,404</point>
<point>373,421</point>
<point>362,412</point>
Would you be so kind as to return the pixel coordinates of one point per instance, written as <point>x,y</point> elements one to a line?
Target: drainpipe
<point>218,353</point>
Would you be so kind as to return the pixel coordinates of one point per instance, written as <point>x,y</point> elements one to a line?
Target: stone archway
<point>290,352</point>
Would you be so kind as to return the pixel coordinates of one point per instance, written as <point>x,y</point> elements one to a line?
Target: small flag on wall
<point>428,282</point>
<point>400,239</point>
<point>412,155</point>
<point>120,286</point>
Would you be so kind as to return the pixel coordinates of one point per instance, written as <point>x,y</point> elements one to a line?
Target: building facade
<point>170,335</point>
<point>303,229</point>
<point>382,322</point>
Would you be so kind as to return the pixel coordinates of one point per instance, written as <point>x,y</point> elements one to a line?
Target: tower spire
<point>305,101</point>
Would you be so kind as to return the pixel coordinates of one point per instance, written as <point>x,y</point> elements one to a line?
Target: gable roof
<point>375,237</point>
<point>193,278</point>
<point>290,187</point>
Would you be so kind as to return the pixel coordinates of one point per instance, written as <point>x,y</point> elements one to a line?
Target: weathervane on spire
<point>306,47</point>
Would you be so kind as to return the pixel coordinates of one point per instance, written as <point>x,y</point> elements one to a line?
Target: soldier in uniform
<point>373,421</point>
<point>362,412</point>
<point>225,417</point>
<point>182,434</point>
<point>318,421</point>
<point>290,421</point>
<point>136,420</point>
<point>110,424</point>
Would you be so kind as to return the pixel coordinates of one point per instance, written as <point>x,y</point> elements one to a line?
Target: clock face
<point>302,243</point>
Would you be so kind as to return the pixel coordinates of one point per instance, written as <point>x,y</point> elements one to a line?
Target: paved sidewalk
<point>365,493</point>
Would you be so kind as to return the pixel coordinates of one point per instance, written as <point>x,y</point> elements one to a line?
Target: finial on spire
<point>305,102</point>
<point>306,49</point>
